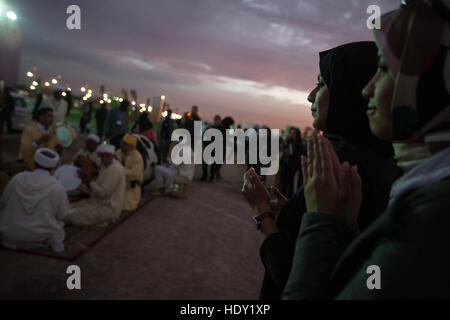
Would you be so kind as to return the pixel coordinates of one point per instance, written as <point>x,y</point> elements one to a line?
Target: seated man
<point>163,180</point>
<point>39,135</point>
<point>173,180</point>
<point>183,174</point>
<point>87,159</point>
<point>133,164</point>
<point>89,152</point>
<point>107,192</point>
<point>33,207</point>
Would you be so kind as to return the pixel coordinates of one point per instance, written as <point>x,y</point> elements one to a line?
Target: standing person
<point>224,125</point>
<point>69,102</point>
<point>133,164</point>
<point>7,110</point>
<point>144,126</point>
<point>165,130</point>
<point>290,161</point>
<point>85,117</point>
<point>100,117</point>
<point>107,192</point>
<point>33,207</point>
<point>57,103</point>
<point>37,104</point>
<point>339,111</point>
<point>117,120</point>
<point>190,122</point>
<point>217,121</point>
<point>39,135</point>
<point>409,242</point>
<point>213,167</point>
<point>2,102</point>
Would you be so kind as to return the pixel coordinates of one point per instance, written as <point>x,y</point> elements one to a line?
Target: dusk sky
<point>254,60</point>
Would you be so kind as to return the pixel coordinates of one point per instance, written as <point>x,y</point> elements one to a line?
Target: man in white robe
<point>57,103</point>
<point>33,207</point>
<point>107,193</point>
<point>89,152</point>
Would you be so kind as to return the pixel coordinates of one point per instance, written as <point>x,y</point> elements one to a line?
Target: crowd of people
<point>370,220</point>
<point>113,167</point>
<point>369,187</point>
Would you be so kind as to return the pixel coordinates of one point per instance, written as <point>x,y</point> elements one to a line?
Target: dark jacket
<point>292,162</point>
<point>165,129</point>
<point>377,174</point>
<point>116,122</point>
<point>100,116</point>
<point>409,243</point>
<point>346,70</point>
<point>143,122</point>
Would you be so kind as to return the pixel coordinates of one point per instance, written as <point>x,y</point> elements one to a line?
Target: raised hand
<point>255,192</point>
<point>321,184</point>
<point>330,187</point>
<point>277,202</point>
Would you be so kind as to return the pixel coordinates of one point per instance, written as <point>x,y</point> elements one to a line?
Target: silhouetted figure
<point>144,126</point>
<point>117,120</point>
<point>69,102</point>
<point>37,104</point>
<point>85,117</point>
<point>290,162</point>
<point>100,117</point>
<point>165,130</point>
<point>7,110</point>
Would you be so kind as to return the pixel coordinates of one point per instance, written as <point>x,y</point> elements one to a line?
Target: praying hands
<point>331,187</point>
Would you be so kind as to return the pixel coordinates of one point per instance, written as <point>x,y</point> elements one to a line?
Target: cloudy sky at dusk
<point>255,60</point>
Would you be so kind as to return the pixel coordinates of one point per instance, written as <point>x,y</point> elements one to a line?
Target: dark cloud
<point>180,47</point>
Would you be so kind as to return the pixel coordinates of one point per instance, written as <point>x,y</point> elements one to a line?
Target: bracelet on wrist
<point>259,218</point>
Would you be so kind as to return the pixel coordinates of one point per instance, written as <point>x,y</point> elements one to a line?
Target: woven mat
<point>81,239</point>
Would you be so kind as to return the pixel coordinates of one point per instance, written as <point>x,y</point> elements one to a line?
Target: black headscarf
<point>346,70</point>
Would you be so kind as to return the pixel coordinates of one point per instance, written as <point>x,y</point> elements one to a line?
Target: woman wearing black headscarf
<point>404,253</point>
<point>338,110</point>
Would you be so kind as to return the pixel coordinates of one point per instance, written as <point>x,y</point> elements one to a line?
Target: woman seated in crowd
<point>404,253</point>
<point>339,110</point>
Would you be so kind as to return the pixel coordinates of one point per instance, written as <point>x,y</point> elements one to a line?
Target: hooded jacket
<point>32,209</point>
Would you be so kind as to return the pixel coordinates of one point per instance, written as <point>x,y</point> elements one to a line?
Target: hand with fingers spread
<point>330,187</point>
<point>255,192</point>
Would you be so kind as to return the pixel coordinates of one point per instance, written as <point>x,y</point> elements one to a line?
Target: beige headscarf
<point>415,41</point>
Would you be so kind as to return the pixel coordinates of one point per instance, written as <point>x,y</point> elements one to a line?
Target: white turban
<point>106,148</point>
<point>45,161</point>
<point>93,137</point>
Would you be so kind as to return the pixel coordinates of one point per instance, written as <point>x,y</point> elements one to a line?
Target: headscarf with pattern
<point>414,41</point>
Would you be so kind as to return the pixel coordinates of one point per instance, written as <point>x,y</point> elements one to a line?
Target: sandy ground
<point>201,247</point>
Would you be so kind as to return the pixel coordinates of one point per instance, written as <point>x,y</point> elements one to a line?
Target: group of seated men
<point>34,206</point>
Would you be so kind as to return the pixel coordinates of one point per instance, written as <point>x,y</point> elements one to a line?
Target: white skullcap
<point>106,148</point>
<point>93,137</point>
<point>58,87</point>
<point>45,161</point>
